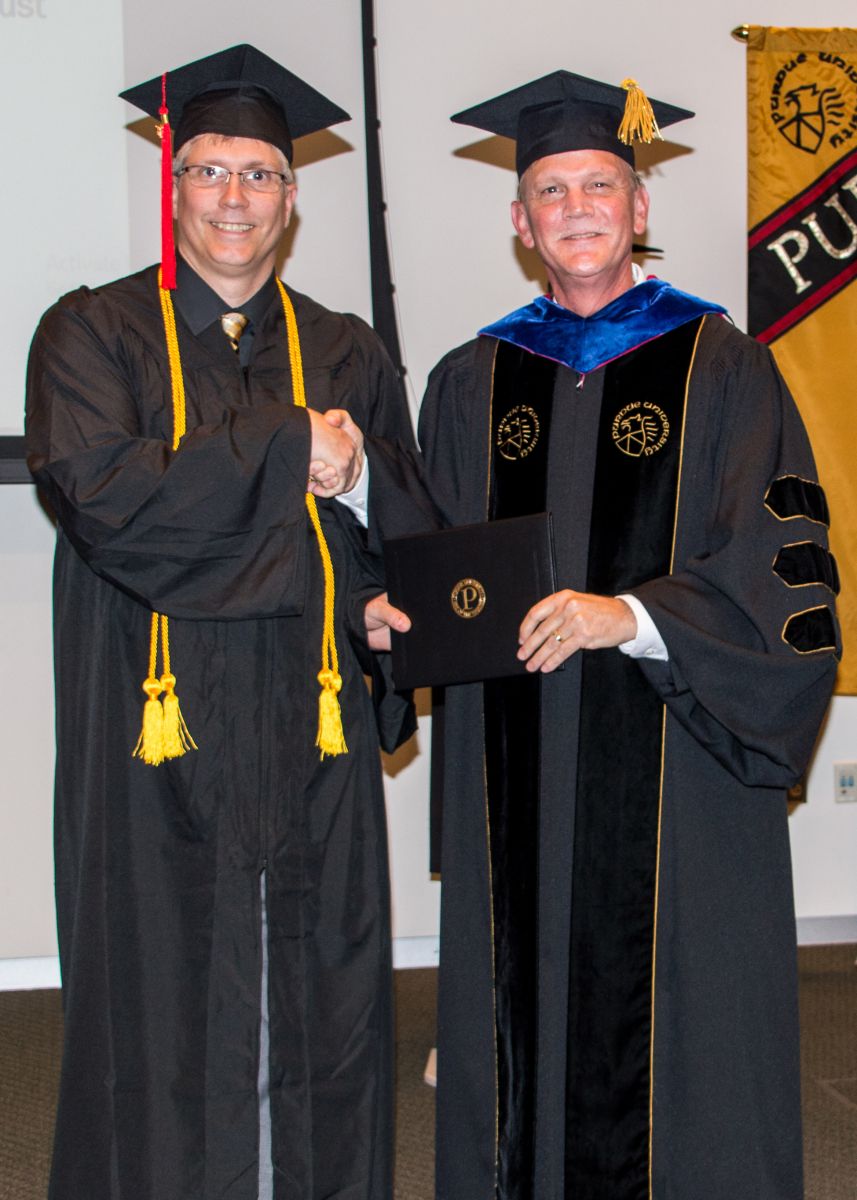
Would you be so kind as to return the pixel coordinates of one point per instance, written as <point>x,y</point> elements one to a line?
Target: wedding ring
<point>558,637</point>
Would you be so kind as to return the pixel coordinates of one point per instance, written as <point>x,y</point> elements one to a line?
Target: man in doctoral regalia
<point>222,894</point>
<point>618,1013</point>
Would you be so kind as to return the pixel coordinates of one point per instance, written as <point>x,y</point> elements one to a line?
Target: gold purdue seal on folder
<point>468,598</point>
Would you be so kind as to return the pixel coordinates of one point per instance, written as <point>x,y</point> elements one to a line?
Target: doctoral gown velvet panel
<point>742,708</point>
<point>158,869</point>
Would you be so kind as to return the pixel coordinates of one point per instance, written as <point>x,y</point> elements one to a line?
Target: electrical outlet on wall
<point>845,785</point>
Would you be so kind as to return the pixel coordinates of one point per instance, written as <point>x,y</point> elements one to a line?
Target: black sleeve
<point>395,715</point>
<point>453,413</point>
<point>216,528</point>
<point>747,615</point>
<point>399,499</point>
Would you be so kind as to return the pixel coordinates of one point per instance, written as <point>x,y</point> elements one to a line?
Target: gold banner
<point>802,258</point>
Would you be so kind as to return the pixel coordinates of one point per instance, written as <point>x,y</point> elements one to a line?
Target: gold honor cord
<point>165,733</point>
<point>330,738</point>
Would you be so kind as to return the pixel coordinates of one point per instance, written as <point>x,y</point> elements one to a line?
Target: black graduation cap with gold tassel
<point>563,111</point>
<point>238,92</point>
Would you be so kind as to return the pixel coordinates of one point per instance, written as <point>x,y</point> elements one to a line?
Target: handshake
<point>336,462</point>
<point>336,453</point>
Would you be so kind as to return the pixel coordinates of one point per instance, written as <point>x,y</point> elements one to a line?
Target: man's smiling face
<point>231,231</point>
<point>580,211</point>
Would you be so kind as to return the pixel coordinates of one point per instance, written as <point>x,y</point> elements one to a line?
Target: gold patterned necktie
<point>233,325</point>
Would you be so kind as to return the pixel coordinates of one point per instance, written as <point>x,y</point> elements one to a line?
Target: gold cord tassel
<point>177,739</point>
<point>638,121</point>
<point>330,738</point>
<point>150,743</point>
<point>165,733</point>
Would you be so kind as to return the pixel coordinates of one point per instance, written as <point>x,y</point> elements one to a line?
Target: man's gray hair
<point>636,178</point>
<point>181,156</point>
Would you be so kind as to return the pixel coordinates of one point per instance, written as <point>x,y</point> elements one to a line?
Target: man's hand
<point>380,617</point>
<point>568,621</point>
<point>336,453</point>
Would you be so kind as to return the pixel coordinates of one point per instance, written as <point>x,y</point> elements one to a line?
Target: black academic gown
<point>158,869</point>
<point>697,1095</point>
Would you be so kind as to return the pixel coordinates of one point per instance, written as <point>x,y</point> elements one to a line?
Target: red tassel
<point>168,249</point>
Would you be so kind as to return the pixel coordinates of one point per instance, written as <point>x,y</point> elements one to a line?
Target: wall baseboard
<point>26,974</point>
<point>415,952</point>
<point>826,931</point>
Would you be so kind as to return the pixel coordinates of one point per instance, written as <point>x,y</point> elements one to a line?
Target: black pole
<point>383,306</point>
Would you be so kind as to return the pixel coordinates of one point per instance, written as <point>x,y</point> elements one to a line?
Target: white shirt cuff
<point>358,498</point>
<point>648,643</point>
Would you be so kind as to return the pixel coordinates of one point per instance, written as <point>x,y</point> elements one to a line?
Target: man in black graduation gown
<point>617,1012</point>
<point>224,916</point>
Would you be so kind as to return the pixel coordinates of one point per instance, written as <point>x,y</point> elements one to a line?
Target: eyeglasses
<point>257,179</point>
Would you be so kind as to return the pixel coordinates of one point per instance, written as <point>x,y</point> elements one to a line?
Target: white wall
<point>64,212</point>
<point>454,259</point>
<point>26,726</point>
<point>64,209</point>
<point>824,833</point>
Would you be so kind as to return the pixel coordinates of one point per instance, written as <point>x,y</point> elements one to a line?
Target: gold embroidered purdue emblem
<point>640,429</point>
<point>468,598</point>
<point>812,104</point>
<point>518,432</point>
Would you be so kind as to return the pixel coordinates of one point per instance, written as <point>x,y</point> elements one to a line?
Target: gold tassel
<point>330,738</point>
<point>638,120</point>
<point>150,744</point>
<point>177,739</point>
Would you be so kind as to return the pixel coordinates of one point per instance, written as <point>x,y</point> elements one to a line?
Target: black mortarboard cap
<point>563,111</point>
<point>239,92</point>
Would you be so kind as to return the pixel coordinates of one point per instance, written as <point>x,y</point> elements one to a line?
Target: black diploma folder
<point>466,591</point>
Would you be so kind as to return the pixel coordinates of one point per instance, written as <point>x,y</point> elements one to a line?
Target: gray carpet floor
<point>31,1038</point>
<point>828,1002</point>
